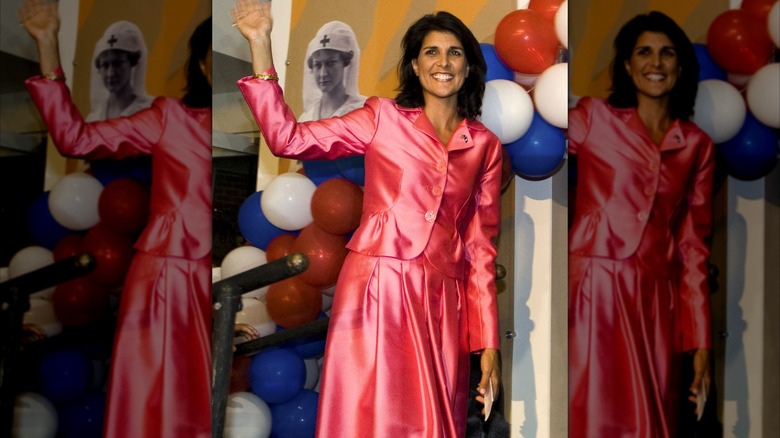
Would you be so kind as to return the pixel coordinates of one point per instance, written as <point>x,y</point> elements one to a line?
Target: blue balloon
<point>539,152</point>
<point>138,168</point>
<point>353,169</point>
<point>64,375</point>
<point>253,224</point>
<point>320,171</point>
<point>82,418</point>
<point>752,153</point>
<point>277,375</point>
<point>44,229</point>
<point>295,418</point>
<point>708,68</point>
<point>496,69</point>
<point>308,346</point>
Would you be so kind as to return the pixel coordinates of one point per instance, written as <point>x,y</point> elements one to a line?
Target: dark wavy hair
<point>410,90</point>
<point>198,90</point>
<point>682,98</point>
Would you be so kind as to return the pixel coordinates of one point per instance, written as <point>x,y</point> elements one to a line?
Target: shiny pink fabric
<point>160,378</point>
<point>638,293</point>
<point>417,292</point>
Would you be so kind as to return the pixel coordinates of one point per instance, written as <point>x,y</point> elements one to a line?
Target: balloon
<point>763,95</point>
<point>286,202</point>
<point>247,416</point>
<point>507,110</point>
<point>752,152</point>
<point>320,170</point>
<point>539,152</point>
<point>124,206</point>
<point>239,374</point>
<point>561,23</point>
<point>312,373</point>
<point>291,302</point>
<point>326,253</point>
<point>44,229</point>
<point>41,313</point>
<point>83,418</point>
<point>337,205</point>
<point>738,42</point>
<point>243,259</point>
<point>551,95</point>
<point>526,41</point>
<point>113,253</point>
<point>307,346</point>
<point>30,259</point>
<point>352,168</point>
<point>137,168</point>
<point>253,224</point>
<point>708,69</point>
<point>254,312</point>
<point>496,69</point>
<point>719,109</point>
<point>68,246</point>
<point>296,418</point>
<point>773,24</point>
<point>525,80</point>
<point>280,247</point>
<point>73,201</point>
<point>64,375</point>
<point>548,8</point>
<point>277,375</point>
<point>34,417</point>
<point>79,302</point>
<point>758,8</point>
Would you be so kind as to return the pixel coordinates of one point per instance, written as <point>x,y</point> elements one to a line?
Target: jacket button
<point>430,215</point>
<point>642,215</point>
<point>649,191</point>
<point>441,166</point>
<point>436,191</point>
<point>653,166</point>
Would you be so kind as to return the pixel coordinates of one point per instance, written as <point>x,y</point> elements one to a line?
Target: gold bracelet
<point>54,76</point>
<point>266,76</point>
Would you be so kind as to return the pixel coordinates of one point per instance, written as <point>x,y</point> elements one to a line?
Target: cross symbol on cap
<point>325,40</point>
<point>112,41</point>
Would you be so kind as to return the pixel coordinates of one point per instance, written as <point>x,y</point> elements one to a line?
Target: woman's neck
<point>655,116</point>
<point>444,117</point>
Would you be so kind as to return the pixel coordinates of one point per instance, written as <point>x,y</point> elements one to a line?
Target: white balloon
<point>42,314</point>
<point>312,373</point>
<point>243,259</point>
<point>73,201</point>
<point>719,109</point>
<point>773,23</point>
<point>561,22</point>
<point>29,259</point>
<point>254,312</point>
<point>286,201</point>
<point>247,416</point>
<point>507,110</point>
<point>216,274</point>
<point>34,417</point>
<point>763,94</point>
<point>551,95</point>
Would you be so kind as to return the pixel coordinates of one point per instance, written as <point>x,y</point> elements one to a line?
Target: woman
<point>118,79</point>
<point>416,293</point>
<point>638,295</point>
<point>331,73</point>
<point>160,378</point>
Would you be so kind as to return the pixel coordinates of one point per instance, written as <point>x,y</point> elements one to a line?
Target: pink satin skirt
<point>623,362</point>
<point>160,378</point>
<point>396,356</point>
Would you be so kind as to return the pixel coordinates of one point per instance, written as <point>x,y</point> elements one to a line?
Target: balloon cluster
<point>738,103</point>
<point>526,98</point>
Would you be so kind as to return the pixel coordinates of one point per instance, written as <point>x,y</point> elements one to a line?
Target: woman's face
<point>653,65</point>
<point>441,65</point>
<point>328,69</point>
<point>115,69</point>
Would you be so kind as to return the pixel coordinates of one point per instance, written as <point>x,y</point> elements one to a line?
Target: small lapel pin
<point>465,139</point>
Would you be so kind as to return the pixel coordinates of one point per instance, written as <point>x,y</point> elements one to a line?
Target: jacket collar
<point>673,139</point>
<point>461,138</point>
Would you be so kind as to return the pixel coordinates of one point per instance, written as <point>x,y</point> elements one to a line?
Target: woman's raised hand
<point>252,18</point>
<point>40,18</point>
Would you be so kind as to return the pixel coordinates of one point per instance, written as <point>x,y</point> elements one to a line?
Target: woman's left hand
<point>701,373</point>
<point>491,369</point>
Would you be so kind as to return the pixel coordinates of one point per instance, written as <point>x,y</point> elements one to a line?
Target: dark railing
<point>226,297</point>
<point>14,302</point>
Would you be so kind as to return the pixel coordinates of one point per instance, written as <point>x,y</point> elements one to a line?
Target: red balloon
<point>79,302</point>
<point>547,8</point>
<point>759,8</point>
<point>738,42</point>
<point>113,253</point>
<point>69,245</point>
<point>279,247</point>
<point>123,206</point>
<point>526,42</point>
<point>239,376</point>
<point>337,205</point>
<point>292,302</point>
<point>326,253</point>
